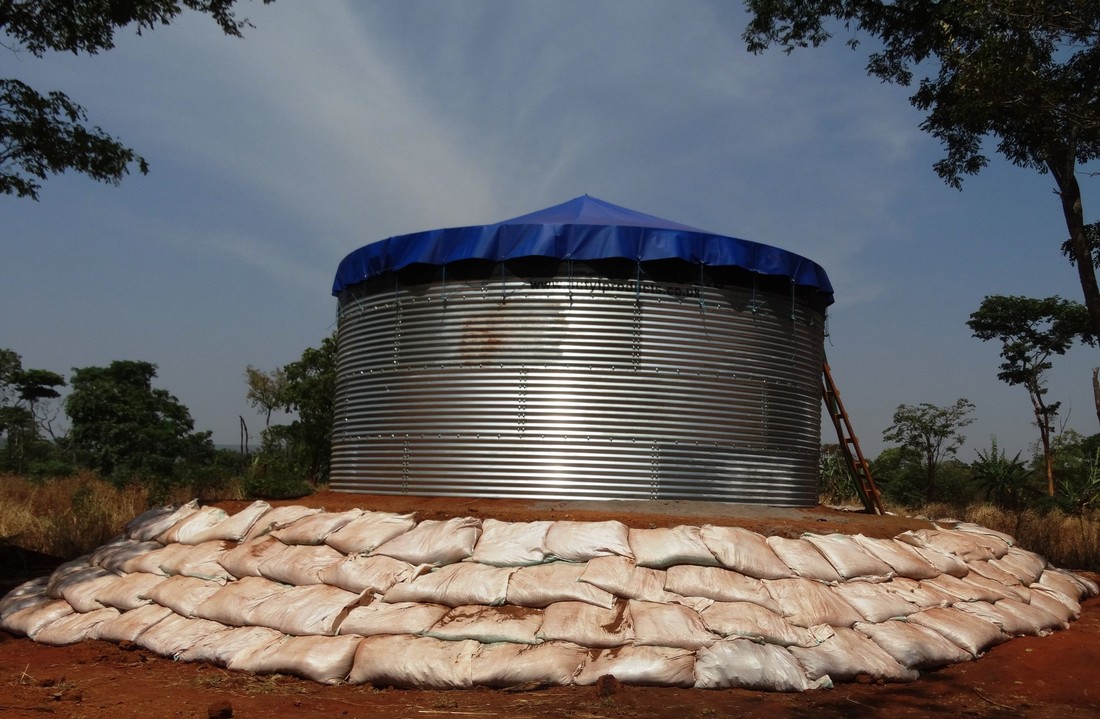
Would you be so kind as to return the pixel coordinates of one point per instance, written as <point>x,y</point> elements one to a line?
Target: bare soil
<point>1054,676</point>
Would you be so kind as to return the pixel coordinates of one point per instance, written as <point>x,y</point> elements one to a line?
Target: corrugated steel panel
<point>578,388</point>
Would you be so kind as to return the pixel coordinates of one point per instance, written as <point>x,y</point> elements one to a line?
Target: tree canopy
<point>47,134</point>
<point>932,432</point>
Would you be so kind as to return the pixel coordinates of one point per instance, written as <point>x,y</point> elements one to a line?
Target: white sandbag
<point>991,571</point>
<point>153,562</point>
<point>25,595</point>
<point>174,634</point>
<point>902,558</point>
<point>30,620</point>
<point>128,592</point>
<point>81,590</point>
<point>652,666</point>
<point>195,523</point>
<point>235,527</point>
<point>914,646</point>
<point>751,621</point>
<point>1039,621</point>
<point>234,603</point>
<point>112,555</point>
<point>314,529</point>
<point>419,662</point>
<point>74,627</point>
<point>806,603</point>
<point>619,576</point>
<point>199,560</point>
<point>245,559</point>
<point>369,531</point>
<point>1027,566</point>
<point>944,562</point>
<point>804,559</point>
<point>547,664</point>
<point>582,541</point>
<point>306,610</point>
<point>874,602</point>
<point>151,523</point>
<point>964,591</point>
<point>182,594</point>
<point>967,547</point>
<point>848,654</point>
<point>327,660</point>
<point>1003,591</point>
<point>511,544</point>
<point>435,542</point>
<point>922,594</point>
<point>75,570</point>
<point>743,551</point>
<point>992,536</point>
<point>278,518</point>
<point>721,585</point>
<point>375,574</point>
<point>300,564</point>
<point>850,559</point>
<point>669,625</point>
<point>518,625</point>
<point>1053,601</point>
<point>1065,582</point>
<point>220,647</point>
<point>743,664</point>
<point>662,548</point>
<point>382,618</point>
<point>1009,622</point>
<point>128,626</point>
<point>455,585</point>
<point>971,633</point>
<point>587,624</point>
<point>544,584</point>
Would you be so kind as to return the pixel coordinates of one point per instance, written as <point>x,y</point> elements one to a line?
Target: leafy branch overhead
<point>47,134</point>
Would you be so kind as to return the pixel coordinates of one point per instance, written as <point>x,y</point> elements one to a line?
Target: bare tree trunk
<point>1043,421</point>
<point>1096,390</point>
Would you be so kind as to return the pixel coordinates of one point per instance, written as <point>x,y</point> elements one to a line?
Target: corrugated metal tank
<point>541,377</point>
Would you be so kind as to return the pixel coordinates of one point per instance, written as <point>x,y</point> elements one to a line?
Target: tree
<point>1022,71</point>
<point>932,432</point>
<point>24,408</point>
<point>1003,481</point>
<point>265,390</point>
<point>1031,331</point>
<point>46,134</point>
<point>128,429</point>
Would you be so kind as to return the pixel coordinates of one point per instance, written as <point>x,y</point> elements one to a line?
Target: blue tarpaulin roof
<point>584,228</point>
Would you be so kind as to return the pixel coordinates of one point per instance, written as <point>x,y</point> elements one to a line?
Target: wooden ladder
<point>849,444</point>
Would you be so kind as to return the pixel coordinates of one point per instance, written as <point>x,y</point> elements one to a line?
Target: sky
<point>334,124</point>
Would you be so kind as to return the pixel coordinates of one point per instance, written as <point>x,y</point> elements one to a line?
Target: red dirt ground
<point>1054,676</point>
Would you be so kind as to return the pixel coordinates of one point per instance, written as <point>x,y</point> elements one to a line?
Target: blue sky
<point>334,124</point>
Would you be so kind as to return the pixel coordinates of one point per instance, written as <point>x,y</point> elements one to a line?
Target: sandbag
<point>327,660</point>
<point>518,625</point>
<point>1002,591</point>
<point>174,634</point>
<point>235,527</point>
<point>987,569</point>
<point>305,610</point>
<point>299,564</point>
<point>619,576</point>
<point>128,626</point>
<point>807,603</point>
<point>668,625</point>
<point>245,559</point>
<point>991,536</point>
<point>848,654</point>
<point>721,585</point>
<point>279,518</point>
<point>1065,582</point>
<point>582,541</point>
<point>375,574</point>
<point>751,621</point>
<point>587,624</point>
<point>1039,621</point>
<point>153,562</point>
<point>153,522</point>
<point>200,560</point>
<point>744,552</point>
<point>74,627</point>
<point>435,542</point>
<point>944,562</point>
<point>804,559</point>
<point>234,603</point>
<point>455,585</point>
<point>128,592</point>
<point>653,666</point>
<point>220,647</point>
<point>902,558</point>
<point>544,584</point>
<point>25,595</point>
<point>874,602</point>
<point>32,619</point>
<point>511,544</point>
<point>973,634</point>
<point>967,547</point>
<point>1009,622</point>
<point>1027,566</point>
<point>112,555</point>
<point>922,594</point>
<point>80,590</point>
<point>547,664</point>
<point>964,591</point>
<point>71,572</point>
<point>419,662</point>
<point>850,560</point>
<point>912,645</point>
<point>382,618</point>
<point>314,529</point>
<point>182,594</point>
<point>743,664</point>
<point>196,522</point>
<point>662,548</point>
<point>1053,601</point>
<point>369,531</point>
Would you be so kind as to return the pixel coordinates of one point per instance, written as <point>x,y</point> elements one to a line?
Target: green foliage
<point>1004,482</point>
<point>46,134</point>
<point>1077,469</point>
<point>25,397</point>
<point>899,476</point>
<point>835,483</point>
<point>932,432</point>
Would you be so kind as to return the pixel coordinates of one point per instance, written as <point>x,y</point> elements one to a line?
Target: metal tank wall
<point>578,386</point>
